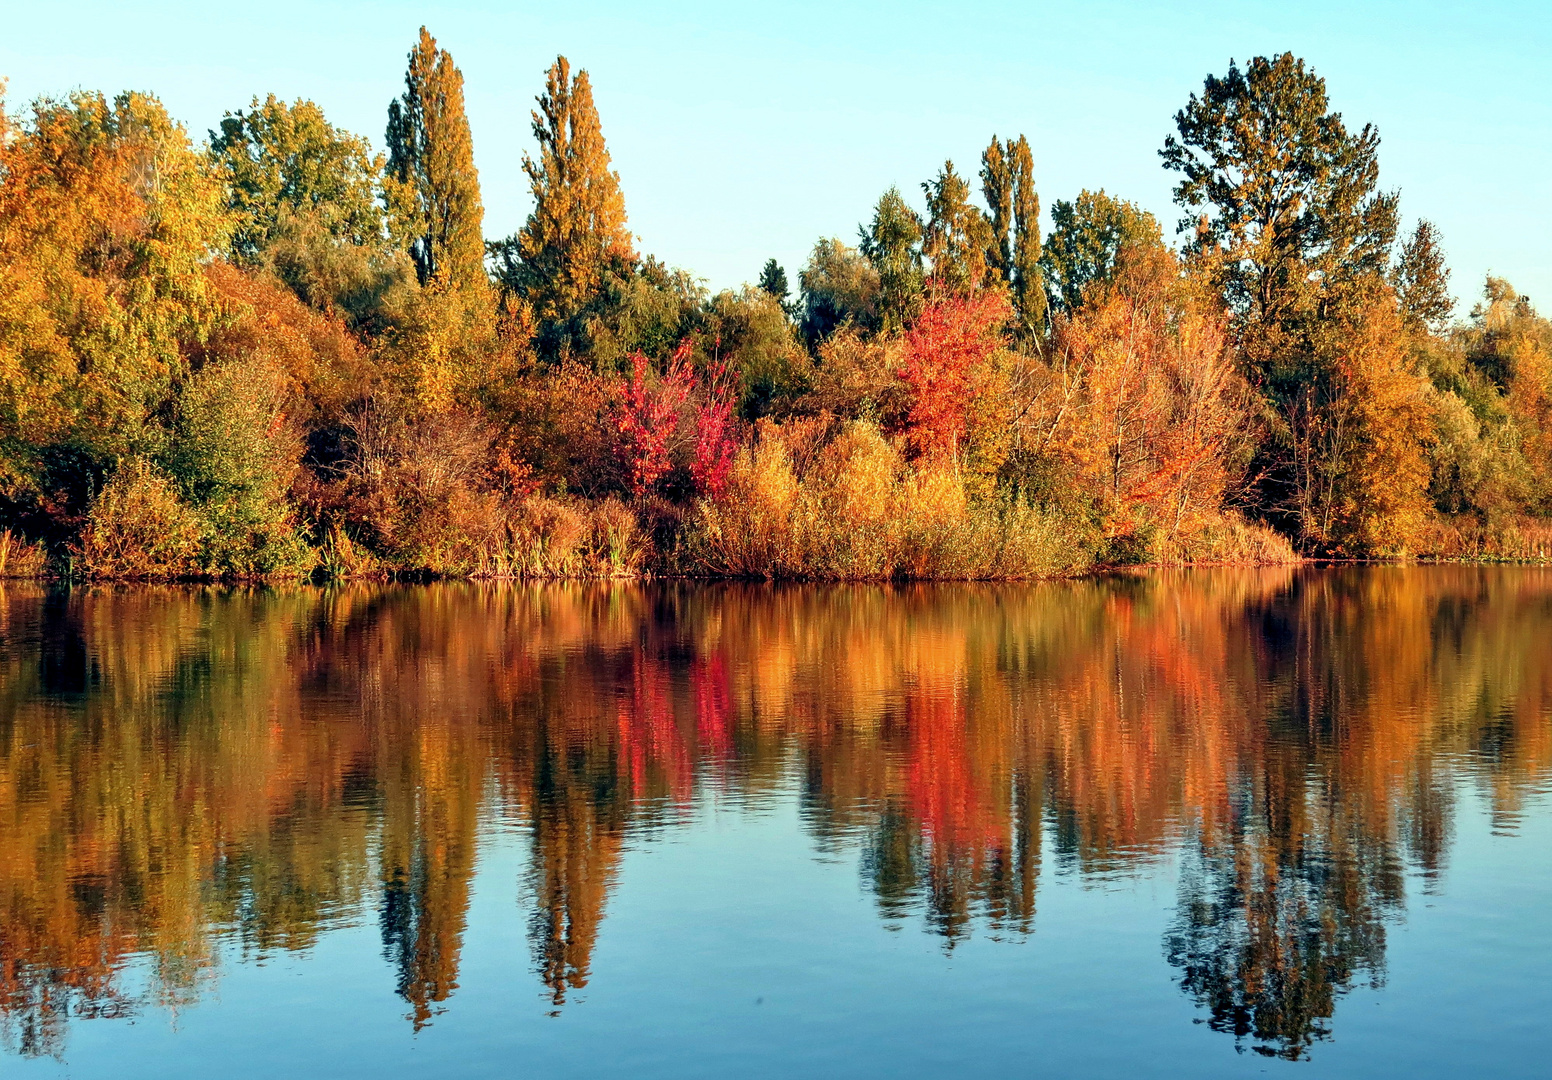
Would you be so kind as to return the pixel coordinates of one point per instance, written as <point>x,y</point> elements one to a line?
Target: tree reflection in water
<point>189,773</point>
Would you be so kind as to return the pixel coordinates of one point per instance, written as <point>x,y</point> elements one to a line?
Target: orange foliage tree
<point>1144,402</point>
<point>946,351</point>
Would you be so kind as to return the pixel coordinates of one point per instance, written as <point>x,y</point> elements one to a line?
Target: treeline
<point>282,352</point>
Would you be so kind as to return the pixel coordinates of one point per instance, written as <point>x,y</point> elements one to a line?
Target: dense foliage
<point>281,352</point>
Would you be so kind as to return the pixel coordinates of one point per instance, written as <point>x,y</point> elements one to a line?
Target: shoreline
<point>420,577</point>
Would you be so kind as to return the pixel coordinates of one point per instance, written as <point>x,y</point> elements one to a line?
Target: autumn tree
<point>576,235</point>
<point>1360,428</point>
<point>892,243</point>
<point>957,235</point>
<point>1143,404</point>
<point>432,188</point>
<point>947,349</point>
<point>1290,196</point>
<point>107,215</point>
<point>1422,280</point>
<point>1088,237</point>
<point>1290,223</point>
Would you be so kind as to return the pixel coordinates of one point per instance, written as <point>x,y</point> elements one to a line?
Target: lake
<point>1206,823</point>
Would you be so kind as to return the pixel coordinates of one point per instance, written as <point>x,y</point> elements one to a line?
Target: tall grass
<point>856,509</point>
<point>20,558</point>
<point>1464,537</point>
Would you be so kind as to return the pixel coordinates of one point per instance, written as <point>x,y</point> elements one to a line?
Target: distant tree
<point>773,279</point>
<point>958,235</point>
<point>1087,237</point>
<point>576,233</point>
<point>1422,280</point>
<point>892,243</point>
<point>432,188</point>
<point>839,287</point>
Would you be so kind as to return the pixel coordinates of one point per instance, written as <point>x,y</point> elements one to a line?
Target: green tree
<point>892,243</point>
<point>1277,186</point>
<point>1008,185</point>
<point>278,160</point>
<point>1291,226</point>
<point>432,188</point>
<point>1422,280</point>
<point>958,235</point>
<point>839,287</point>
<point>773,279</point>
<point>1087,238</point>
<point>576,235</point>
<point>304,201</point>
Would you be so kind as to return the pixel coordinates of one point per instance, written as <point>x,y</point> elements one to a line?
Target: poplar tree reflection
<point>182,769</point>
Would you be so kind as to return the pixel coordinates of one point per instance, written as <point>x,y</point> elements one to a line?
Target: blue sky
<point>745,131</point>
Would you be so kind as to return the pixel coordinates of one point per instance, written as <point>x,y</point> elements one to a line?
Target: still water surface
<point>1210,823</point>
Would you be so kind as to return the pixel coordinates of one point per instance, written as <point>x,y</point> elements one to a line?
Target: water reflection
<point>183,769</point>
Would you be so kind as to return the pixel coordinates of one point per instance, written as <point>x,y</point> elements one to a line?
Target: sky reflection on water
<point>605,829</point>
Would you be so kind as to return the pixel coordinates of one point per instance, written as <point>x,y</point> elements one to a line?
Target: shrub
<point>138,527</point>
<point>859,511</point>
<point>233,458</point>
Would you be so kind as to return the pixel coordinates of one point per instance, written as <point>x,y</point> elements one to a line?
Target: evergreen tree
<point>576,233</point>
<point>957,236</point>
<point>1422,280</point>
<point>893,245</point>
<point>773,279</point>
<point>432,189</point>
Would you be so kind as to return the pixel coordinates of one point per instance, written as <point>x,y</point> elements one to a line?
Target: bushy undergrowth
<point>854,508</point>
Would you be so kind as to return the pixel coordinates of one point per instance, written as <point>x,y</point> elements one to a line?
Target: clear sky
<point>743,131</point>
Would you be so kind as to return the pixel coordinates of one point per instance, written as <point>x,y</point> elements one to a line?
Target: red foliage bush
<point>950,340</point>
<point>649,411</point>
<point>715,444</point>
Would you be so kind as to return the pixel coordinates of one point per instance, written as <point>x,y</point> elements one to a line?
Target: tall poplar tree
<point>432,188</point>
<point>1025,274</point>
<point>997,187</point>
<point>1008,185</point>
<point>576,232</point>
